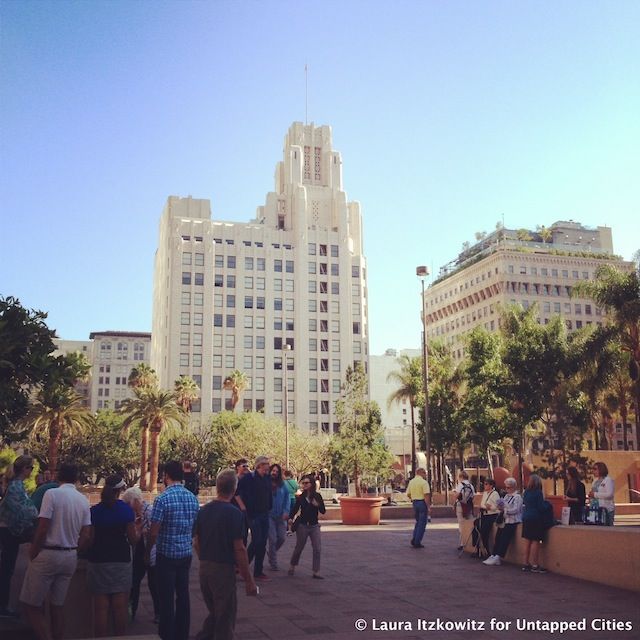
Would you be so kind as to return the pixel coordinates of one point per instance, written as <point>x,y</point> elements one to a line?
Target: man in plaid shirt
<point>172,526</point>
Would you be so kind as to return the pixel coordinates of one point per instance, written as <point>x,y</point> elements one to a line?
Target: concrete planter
<point>557,502</point>
<point>360,510</point>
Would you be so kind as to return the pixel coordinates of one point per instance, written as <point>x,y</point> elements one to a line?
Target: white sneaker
<point>492,561</point>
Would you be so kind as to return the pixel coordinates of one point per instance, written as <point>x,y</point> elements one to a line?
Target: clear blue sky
<point>448,115</point>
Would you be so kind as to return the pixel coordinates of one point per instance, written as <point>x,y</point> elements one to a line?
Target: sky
<point>450,117</point>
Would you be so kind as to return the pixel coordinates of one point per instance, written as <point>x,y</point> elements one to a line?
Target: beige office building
<point>231,295</point>
<point>505,268</point>
<point>112,355</point>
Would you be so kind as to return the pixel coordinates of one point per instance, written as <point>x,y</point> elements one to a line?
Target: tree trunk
<point>413,445</point>
<point>155,459</point>
<point>54,446</point>
<point>356,478</point>
<point>490,461</point>
<point>624,415</point>
<point>144,457</point>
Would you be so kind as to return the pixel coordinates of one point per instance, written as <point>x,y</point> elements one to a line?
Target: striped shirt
<point>176,510</point>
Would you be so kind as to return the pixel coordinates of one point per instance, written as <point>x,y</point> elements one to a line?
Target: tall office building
<point>112,355</point>
<point>510,266</point>
<point>233,295</point>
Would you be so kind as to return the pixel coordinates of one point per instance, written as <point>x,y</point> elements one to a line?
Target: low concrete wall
<point>607,555</point>
<point>404,512</point>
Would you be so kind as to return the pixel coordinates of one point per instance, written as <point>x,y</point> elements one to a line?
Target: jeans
<point>218,586</point>
<point>420,512</point>
<point>259,525</point>
<point>277,535</point>
<point>303,532</point>
<point>173,588</point>
<point>486,526</point>
<point>504,536</point>
<point>8,556</point>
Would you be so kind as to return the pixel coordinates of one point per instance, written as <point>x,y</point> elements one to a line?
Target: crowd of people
<point>124,538</point>
<point>503,513</point>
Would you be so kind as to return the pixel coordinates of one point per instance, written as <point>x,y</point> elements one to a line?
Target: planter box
<point>360,510</point>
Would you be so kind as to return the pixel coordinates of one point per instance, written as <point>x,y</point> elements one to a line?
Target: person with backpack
<point>464,494</point>
<point>533,525</point>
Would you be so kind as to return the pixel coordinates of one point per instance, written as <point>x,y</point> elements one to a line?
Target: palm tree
<point>237,382</point>
<point>142,376</point>
<point>186,391</point>
<point>57,411</point>
<point>155,409</point>
<point>523,235</point>
<point>409,381</point>
<point>545,233</point>
<point>618,293</point>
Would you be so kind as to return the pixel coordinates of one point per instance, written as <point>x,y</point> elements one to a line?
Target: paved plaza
<point>373,573</point>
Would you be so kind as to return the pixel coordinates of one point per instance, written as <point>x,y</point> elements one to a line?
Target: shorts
<point>533,530</point>
<point>49,574</point>
<point>109,577</point>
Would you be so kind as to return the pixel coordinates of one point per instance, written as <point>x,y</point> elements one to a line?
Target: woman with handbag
<point>310,504</point>
<point>18,517</point>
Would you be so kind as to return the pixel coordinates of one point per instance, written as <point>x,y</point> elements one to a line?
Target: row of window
<point>545,271</point>
<point>321,249</point>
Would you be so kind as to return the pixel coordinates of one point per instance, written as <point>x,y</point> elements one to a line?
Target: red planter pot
<point>360,510</point>
<point>557,502</point>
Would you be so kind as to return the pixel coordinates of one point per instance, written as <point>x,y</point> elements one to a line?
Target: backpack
<point>548,520</point>
<point>465,498</point>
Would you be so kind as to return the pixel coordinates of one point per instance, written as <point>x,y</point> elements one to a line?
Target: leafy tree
<point>249,435</point>
<point>409,381</point>
<point>56,411</point>
<point>618,293</point>
<point>236,382</point>
<point>545,233</point>
<point>26,344</point>
<point>619,395</point>
<point>358,449</point>
<point>155,409</point>
<point>524,235</point>
<point>186,391</point>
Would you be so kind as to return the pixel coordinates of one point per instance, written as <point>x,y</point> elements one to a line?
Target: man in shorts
<point>63,526</point>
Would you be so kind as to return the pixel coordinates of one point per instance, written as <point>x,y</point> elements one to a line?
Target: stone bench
<point>607,555</point>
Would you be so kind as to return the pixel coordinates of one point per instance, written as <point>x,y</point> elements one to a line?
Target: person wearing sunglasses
<point>309,503</point>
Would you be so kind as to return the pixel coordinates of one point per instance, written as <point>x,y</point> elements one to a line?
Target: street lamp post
<point>422,272</point>
<point>286,348</point>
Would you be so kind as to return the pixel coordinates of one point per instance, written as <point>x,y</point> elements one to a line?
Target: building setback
<point>231,295</point>
<point>510,267</point>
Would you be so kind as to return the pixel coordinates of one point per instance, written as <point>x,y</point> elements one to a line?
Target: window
<point>312,249</point>
<point>335,346</point>
<point>313,306</point>
<point>248,282</point>
<point>219,261</point>
<point>334,251</point>
<point>313,324</point>
<point>323,287</point>
<point>260,264</point>
<point>260,302</point>
<point>324,306</point>
<point>277,304</point>
<point>218,280</point>
<point>324,365</point>
<point>277,344</point>
<point>324,386</point>
<point>323,249</point>
<point>260,362</point>
<point>217,340</point>
<point>186,297</point>
<point>357,347</point>
<point>216,405</point>
<point>247,404</point>
<point>184,339</point>
<point>313,286</point>
<point>277,284</point>
<point>578,309</point>
<point>355,271</point>
<point>356,328</point>
<point>185,318</point>
<point>260,341</point>
<point>335,365</point>
<point>248,341</point>
<point>259,384</point>
<point>259,405</point>
<point>335,288</point>
<point>335,326</point>
<point>313,364</point>
<point>184,359</point>
<point>197,319</point>
<point>217,319</point>
<point>313,407</point>
<point>248,302</point>
<point>260,284</point>
<point>199,279</point>
<point>277,384</point>
<point>199,259</point>
<point>186,277</point>
<point>247,362</point>
<point>313,344</point>
<point>335,269</point>
<point>324,345</point>
<point>231,301</point>
<point>312,268</point>
<point>231,282</point>
<point>186,258</point>
<point>335,385</point>
<point>248,322</point>
<point>277,363</point>
<point>197,339</point>
<point>197,359</point>
<point>248,264</point>
<point>313,385</point>
<point>198,299</point>
<point>289,266</point>
<point>231,321</point>
<point>323,268</point>
<point>324,406</point>
<point>324,326</point>
<point>277,266</point>
<point>289,285</point>
<point>230,361</point>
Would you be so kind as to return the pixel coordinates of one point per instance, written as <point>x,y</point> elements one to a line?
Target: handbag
<point>500,520</point>
<point>294,524</point>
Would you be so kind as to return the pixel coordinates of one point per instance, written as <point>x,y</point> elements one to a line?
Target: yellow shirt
<point>417,488</point>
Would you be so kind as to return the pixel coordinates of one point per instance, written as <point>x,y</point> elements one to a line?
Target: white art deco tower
<point>231,295</point>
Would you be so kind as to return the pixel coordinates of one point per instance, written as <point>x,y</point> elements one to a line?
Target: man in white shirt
<point>63,526</point>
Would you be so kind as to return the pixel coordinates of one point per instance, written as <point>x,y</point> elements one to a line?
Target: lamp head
<point>422,272</point>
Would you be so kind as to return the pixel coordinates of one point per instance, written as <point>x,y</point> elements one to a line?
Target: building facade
<point>112,355</point>
<point>282,298</point>
<point>512,267</point>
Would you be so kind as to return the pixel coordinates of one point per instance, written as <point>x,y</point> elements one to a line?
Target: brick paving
<point>372,572</point>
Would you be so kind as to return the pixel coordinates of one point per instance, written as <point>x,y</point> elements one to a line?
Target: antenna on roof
<point>306,93</point>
